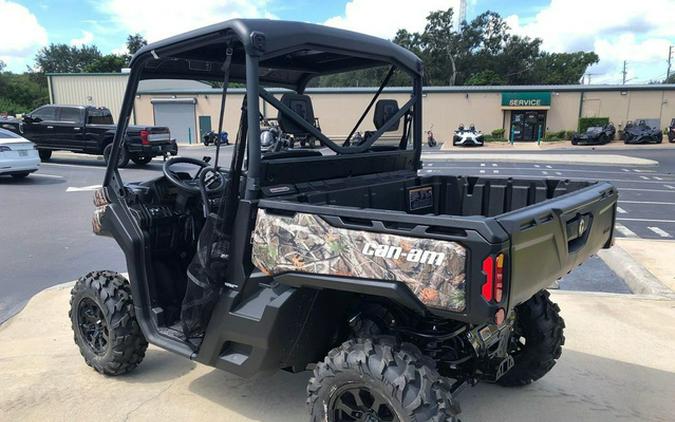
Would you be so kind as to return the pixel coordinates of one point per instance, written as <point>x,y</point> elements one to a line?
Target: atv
<point>396,288</point>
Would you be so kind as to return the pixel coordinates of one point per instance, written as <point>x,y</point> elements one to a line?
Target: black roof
<point>291,53</point>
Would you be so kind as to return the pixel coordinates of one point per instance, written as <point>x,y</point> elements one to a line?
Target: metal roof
<point>432,89</point>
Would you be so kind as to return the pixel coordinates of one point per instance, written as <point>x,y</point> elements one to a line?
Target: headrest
<point>384,110</point>
<point>301,104</point>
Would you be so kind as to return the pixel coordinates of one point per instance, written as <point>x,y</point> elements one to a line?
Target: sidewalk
<point>617,363</point>
<point>558,145</point>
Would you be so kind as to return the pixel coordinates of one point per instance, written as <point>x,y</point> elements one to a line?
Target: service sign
<point>526,99</point>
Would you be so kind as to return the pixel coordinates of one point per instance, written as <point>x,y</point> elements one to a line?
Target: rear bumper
<point>153,150</point>
<point>19,165</point>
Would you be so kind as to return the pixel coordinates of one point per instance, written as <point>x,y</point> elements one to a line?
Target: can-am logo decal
<point>396,252</point>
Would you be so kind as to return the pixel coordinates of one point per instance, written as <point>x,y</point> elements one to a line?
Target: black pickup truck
<point>90,130</point>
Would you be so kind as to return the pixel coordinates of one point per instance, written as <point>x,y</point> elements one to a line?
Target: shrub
<point>586,122</point>
<point>498,133</point>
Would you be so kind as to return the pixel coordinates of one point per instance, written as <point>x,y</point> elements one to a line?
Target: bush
<point>557,136</point>
<point>586,122</point>
<point>498,133</point>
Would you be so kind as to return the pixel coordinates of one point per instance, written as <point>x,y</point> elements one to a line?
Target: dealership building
<point>190,108</point>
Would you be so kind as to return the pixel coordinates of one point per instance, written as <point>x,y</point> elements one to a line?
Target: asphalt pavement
<point>46,236</point>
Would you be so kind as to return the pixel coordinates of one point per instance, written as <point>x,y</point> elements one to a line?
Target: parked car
<point>595,135</point>
<point>397,288</point>
<point>90,130</point>
<point>18,156</point>
<point>671,131</point>
<point>641,133</point>
<point>467,137</point>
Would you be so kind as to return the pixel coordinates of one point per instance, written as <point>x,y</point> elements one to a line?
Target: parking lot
<point>50,240</point>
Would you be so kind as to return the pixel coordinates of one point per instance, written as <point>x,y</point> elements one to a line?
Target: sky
<point>639,32</point>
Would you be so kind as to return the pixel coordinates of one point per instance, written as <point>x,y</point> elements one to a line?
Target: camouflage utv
<point>397,288</point>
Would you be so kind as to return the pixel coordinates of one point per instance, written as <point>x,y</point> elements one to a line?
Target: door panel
<point>69,131</point>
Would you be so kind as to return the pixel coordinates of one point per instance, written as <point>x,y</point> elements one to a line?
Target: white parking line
<point>644,177</point>
<point>54,176</point>
<point>647,220</point>
<point>621,210</point>
<point>624,230</point>
<point>482,164</point>
<point>646,202</point>
<point>658,178</point>
<point>85,166</point>
<point>494,164</point>
<point>482,171</point>
<point>537,165</point>
<point>649,190</point>
<point>670,186</point>
<point>625,169</point>
<point>83,188</point>
<point>495,171</point>
<point>659,231</point>
<point>549,167</point>
<point>544,172</point>
<point>558,173</point>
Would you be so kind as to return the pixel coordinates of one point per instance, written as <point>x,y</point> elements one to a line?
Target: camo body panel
<point>306,243</point>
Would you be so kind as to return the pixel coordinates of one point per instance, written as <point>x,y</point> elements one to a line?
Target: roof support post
<point>253,132</point>
<point>417,120</point>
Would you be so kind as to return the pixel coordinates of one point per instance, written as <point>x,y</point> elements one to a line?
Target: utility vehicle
<point>397,289</point>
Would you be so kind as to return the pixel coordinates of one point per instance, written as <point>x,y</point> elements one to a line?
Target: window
<point>70,115</point>
<point>100,117</point>
<point>45,113</point>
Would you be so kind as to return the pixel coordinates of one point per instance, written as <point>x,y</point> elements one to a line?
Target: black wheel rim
<point>356,402</point>
<point>93,326</point>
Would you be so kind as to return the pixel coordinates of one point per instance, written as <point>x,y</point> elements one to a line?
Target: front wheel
<point>21,175</point>
<point>379,380</point>
<point>537,341</point>
<point>104,323</point>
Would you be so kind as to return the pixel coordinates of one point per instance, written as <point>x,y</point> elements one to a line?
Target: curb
<point>638,279</point>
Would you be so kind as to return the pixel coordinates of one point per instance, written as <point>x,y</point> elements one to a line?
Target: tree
<point>2,66</point>
<point>107,63</point>
<point>62,58</point>
<point>670,79</point>
<point>563,68</point>
<point>135,42</point>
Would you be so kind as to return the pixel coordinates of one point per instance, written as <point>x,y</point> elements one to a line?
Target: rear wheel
<point>379,380</point>
<point>141,160</point>
<point>104,323</point>
<point>21,175</point>
<point>44,154</point>
<point>537,341</point>
<point>122,160</point>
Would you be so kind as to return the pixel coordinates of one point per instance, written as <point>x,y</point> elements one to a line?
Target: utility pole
<point>670,57</point>
<point>623,82</point>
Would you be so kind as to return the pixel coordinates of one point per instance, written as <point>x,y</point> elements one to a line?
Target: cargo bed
<point>545,227</point>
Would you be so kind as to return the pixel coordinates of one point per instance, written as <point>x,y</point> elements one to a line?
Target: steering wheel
<point>212,184</point>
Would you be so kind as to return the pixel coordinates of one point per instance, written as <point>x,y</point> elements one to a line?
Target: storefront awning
<point>524,100</point>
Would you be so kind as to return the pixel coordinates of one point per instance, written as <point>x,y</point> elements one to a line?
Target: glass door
<point>528,125</point>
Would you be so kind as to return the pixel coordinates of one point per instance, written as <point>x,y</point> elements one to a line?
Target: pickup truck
<point>90,130</point>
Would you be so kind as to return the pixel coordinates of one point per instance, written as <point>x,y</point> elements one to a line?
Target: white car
<point>18,156</point>
<point>467,137</point>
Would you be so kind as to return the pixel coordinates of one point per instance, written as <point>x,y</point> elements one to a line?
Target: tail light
<point>4,148</point>
<point>145,140</point>
<point>493,287</point>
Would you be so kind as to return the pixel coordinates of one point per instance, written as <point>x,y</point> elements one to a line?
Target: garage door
<point>179,116</point>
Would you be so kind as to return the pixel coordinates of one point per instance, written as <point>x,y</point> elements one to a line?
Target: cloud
<point>158,19</point>
<point>383,19</point>
<point>86,39</point>
<point>616,30</point>
<point>20,35</point>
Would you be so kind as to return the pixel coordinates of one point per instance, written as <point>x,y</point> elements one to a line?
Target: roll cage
<point>273,53</point>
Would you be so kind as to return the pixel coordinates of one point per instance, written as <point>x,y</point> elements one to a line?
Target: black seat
<point>302,105</point>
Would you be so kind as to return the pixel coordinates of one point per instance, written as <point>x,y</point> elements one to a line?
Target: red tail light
<point>493,287</point>
<point>145,137</point>
<point>488,286</point>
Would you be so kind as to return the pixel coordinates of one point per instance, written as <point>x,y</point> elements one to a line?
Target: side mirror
<point>206,158</point>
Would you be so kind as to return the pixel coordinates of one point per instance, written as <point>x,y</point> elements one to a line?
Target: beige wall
<point>100,90</point>
<point>337,112</point>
